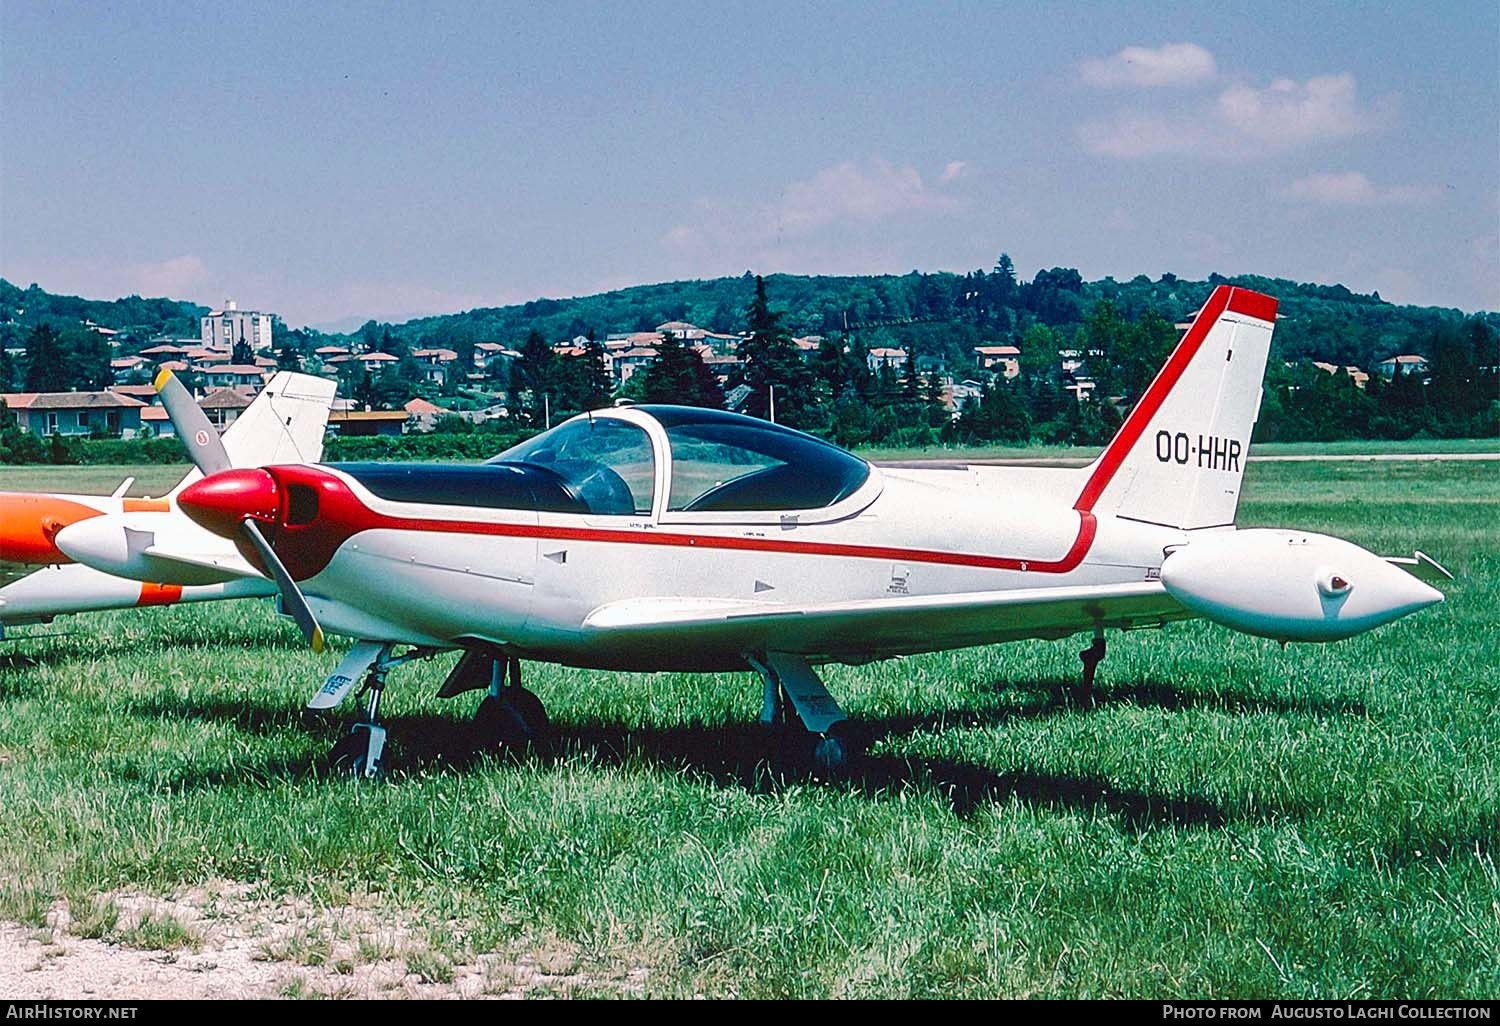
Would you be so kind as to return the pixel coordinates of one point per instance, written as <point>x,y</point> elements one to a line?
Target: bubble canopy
<point>716,462</point>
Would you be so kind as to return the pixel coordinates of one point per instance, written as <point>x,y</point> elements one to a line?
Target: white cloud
<point>1174,64</point>
<point>1242,122</point>
<point>857,216</point>
<point>1129,135</point>
<point>848,192</point>
<point>1354,189</point>
<point>1325,107</point>
<point>954,170</point>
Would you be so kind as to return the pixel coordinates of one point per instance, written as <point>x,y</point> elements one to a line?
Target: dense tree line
<point>53,360</point>
<point>944,315</point>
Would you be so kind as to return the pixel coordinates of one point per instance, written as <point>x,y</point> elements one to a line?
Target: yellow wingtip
<point>162,377</point>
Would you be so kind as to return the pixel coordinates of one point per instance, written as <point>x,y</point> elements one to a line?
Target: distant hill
<point>946,314</point>
<point>941,314</point>
<point>23,309</point>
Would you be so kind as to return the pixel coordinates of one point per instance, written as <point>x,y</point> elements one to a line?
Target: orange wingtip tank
<point>29,523</point>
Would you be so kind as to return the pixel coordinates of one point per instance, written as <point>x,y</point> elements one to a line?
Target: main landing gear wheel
<point>803,718</point>
<point>510,719</point>
<point>510,716</point>
<point>839,748</point>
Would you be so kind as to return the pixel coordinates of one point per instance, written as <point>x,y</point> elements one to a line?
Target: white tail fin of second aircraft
<point>1179,458</point>
<point>284,424</point>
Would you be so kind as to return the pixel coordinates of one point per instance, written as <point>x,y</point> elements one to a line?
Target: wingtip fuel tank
<point>1291,585</point>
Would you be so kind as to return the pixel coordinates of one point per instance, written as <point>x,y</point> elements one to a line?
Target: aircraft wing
<point>216,566</point>
<point>898,625</point>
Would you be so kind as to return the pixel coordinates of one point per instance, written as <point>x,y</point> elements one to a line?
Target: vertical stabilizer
<point>1179,458</point>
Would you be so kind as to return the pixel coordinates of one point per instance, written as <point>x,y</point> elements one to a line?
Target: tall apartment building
<point>221,329</point>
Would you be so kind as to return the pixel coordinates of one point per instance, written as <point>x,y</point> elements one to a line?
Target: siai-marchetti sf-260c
<point>671,538</point>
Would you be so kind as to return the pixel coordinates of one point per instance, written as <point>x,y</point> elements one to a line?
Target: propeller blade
<point>192,425</point>
<point>291,596</point>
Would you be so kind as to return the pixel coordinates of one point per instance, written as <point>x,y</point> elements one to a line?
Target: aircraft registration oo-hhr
<point>669,538</point>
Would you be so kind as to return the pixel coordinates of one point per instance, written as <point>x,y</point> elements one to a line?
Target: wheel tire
<point>533,714</point>
<point>836,752</point>
<point>498,724</point>
<point>347,756</point>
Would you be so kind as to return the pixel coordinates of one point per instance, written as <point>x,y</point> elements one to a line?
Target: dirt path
<point>220,943</point>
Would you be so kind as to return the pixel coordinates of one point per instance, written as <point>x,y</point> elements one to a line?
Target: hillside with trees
<point>1121,331</point>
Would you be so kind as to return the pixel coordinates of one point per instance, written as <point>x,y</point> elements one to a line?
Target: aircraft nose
<point>29,525</point>
<point>222,502</point>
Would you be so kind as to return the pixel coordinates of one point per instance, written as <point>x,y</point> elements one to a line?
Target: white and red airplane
<point>285,422</point>
<point>669,538</point>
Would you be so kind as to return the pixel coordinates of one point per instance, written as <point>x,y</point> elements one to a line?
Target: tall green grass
<point>1231,819</point>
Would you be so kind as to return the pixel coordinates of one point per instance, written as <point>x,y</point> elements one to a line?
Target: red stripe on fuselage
<point>1070,560</point>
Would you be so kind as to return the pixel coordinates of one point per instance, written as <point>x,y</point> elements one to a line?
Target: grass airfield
<point>1231,819</point>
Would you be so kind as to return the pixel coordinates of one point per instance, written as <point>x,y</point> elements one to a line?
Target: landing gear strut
<point>793,687</point>
<point>359,752</point>
<point>1092,657</point>
<point>510,715</point>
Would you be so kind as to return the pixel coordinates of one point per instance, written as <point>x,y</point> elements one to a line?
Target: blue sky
<point>341,161</point>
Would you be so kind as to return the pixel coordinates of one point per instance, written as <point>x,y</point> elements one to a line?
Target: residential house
<point>126,365</point>
<point>1404,364</point>
<point>224,406</point>
<point>165,351</point>
<point>422,415</point>
<point>881,356</point>
<point>957,393</point>
<point>1005,360</point>
<point>489,357</point>
<point>375,363</point>
<point>722,365</point>
<point>808,345</point>
<point>681,329</point>
<point>626,362</point>
<point>145,393</point>
<point>1361,379</point>
<point>231,375</point>
<point>76,413</point>
<point>434,363</point>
